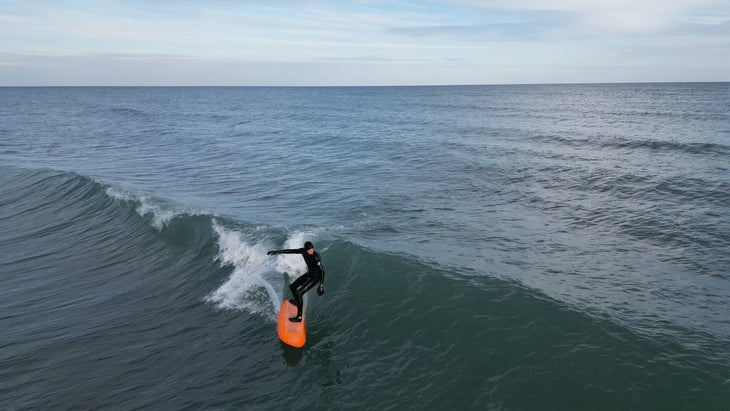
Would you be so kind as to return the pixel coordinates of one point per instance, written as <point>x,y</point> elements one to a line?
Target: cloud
<point>610,16</point>
<point>498,26</point>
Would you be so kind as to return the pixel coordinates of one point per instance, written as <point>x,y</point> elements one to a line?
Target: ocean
<point>551,247</point>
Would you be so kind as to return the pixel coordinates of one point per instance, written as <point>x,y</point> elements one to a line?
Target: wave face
<point>520,247</point>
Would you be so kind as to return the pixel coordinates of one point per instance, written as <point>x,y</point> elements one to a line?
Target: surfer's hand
<point>271,253</point>
<point>320,290</point>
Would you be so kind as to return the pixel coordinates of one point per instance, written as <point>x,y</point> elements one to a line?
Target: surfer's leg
<point>295,286</point>
<point>308,285</point>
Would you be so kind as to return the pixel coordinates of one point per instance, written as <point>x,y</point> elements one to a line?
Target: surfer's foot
<point>291,300</point>
<point>296,319</point>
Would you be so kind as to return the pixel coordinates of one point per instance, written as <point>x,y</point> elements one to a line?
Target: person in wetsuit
<point>314,275</point>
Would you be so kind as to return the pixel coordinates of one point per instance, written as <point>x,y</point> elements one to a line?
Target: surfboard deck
<point>294,334</point>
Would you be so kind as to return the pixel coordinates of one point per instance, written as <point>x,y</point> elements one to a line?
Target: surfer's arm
<point>290,251</point>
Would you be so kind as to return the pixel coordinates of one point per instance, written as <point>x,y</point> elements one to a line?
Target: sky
<point>360,43</point>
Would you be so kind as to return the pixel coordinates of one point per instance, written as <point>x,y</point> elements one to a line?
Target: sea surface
<point>551,247</point>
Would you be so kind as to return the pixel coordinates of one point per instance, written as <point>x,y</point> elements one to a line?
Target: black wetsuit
<point>314,275</point>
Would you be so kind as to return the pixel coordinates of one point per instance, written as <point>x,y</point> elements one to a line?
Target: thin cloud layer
<point>440,42</point>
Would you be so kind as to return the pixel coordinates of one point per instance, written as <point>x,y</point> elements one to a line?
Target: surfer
<point>314,275</point>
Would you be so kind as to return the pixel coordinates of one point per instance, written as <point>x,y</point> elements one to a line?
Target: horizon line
<point>366,86</point>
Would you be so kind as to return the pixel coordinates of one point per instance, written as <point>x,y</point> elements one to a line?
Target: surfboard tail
<point>291,333</point>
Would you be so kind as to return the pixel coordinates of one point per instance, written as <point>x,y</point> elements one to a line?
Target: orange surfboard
<point>294,334</point>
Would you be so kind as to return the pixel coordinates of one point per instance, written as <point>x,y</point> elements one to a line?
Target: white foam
<point>162,213</point>
<point>250,285</point>
<point>257,282</point>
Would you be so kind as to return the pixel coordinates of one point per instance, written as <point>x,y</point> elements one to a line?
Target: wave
<point>621,143</point>
<point>704,149</point>
<point>255,282</point>
<point>252,282</point>
<point>161,211</point>
<point>384,317</point>
<point>128,112</point>
<point>231,254</point>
